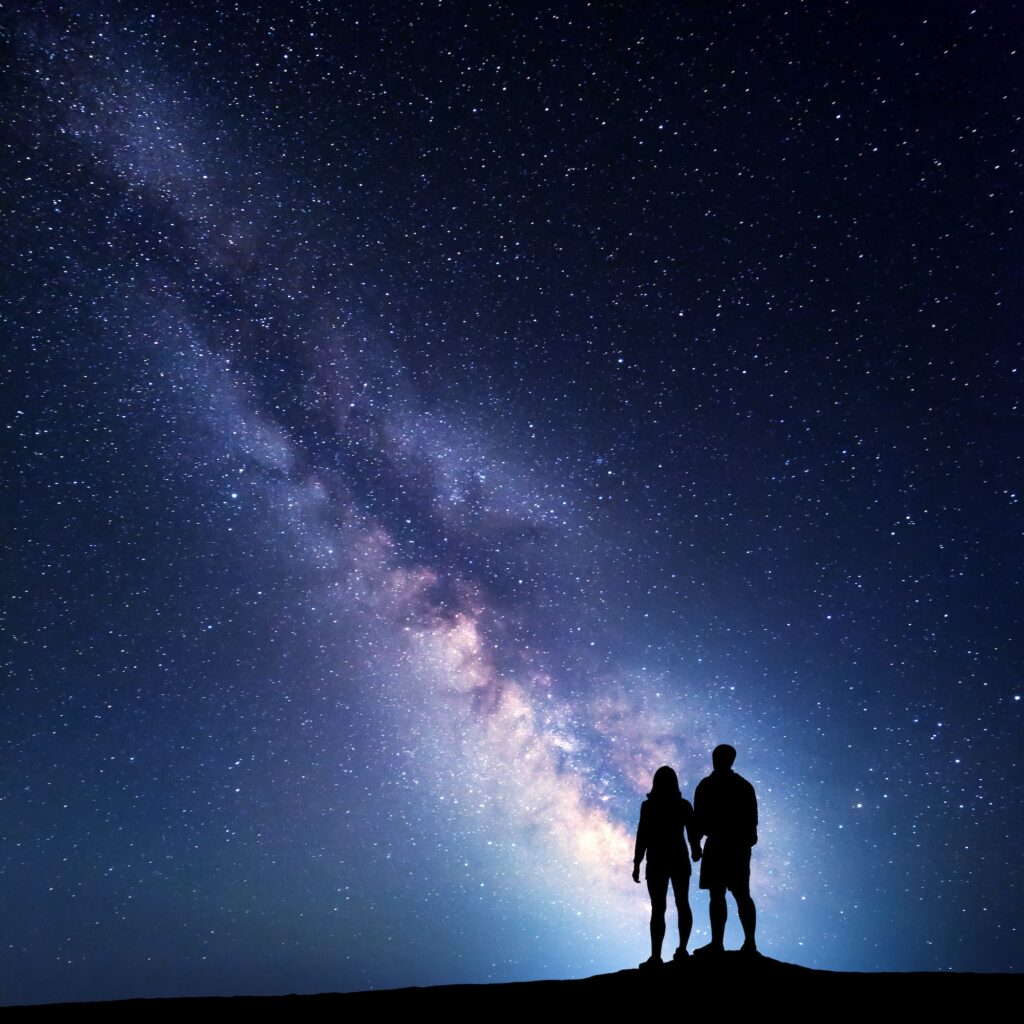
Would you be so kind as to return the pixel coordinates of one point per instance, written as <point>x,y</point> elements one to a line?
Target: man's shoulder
<point>743,783</point>
<point>706,789</point>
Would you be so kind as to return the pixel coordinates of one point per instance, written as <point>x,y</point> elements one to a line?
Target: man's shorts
<point>725,867</point>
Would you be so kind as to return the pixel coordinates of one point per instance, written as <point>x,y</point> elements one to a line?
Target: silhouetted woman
<point>664,816</point>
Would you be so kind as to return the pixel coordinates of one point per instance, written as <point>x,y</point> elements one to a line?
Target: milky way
<point>424,423</point>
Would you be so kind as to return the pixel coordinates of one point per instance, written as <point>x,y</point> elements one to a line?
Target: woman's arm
<point>641,842</point>
<point>692,832</point>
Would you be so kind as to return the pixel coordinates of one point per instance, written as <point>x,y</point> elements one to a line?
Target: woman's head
<point>666,783</point>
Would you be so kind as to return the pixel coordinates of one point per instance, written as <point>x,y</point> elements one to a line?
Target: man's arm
<point>753,816</point>
<point>699,808</point>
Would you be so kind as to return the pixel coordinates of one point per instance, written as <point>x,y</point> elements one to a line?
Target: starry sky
<point>423,420</point>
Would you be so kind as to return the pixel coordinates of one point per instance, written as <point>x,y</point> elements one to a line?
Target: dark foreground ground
<point>727,984</point>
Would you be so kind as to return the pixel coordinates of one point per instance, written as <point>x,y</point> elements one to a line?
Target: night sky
<point>424,420</point>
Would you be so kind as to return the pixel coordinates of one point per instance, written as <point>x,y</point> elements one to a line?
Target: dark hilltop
<point>729,984</point>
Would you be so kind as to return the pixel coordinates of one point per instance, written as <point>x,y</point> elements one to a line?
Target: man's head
<point>723,756</point>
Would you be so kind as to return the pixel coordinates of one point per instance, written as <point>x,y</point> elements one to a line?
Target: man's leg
<point>719,912</point>
<point>744,904</point>
<point>748,918</point>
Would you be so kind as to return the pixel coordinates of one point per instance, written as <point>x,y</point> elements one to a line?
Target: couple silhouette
<point>724,814</point>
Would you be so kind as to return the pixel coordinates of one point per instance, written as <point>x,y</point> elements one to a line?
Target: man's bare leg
<point>748,918</point>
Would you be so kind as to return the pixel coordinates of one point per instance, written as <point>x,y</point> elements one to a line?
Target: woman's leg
<point>657,887</point>
<point>681,891</point>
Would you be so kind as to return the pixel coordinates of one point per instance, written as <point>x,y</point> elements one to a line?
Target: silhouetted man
<point>725,809</point>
